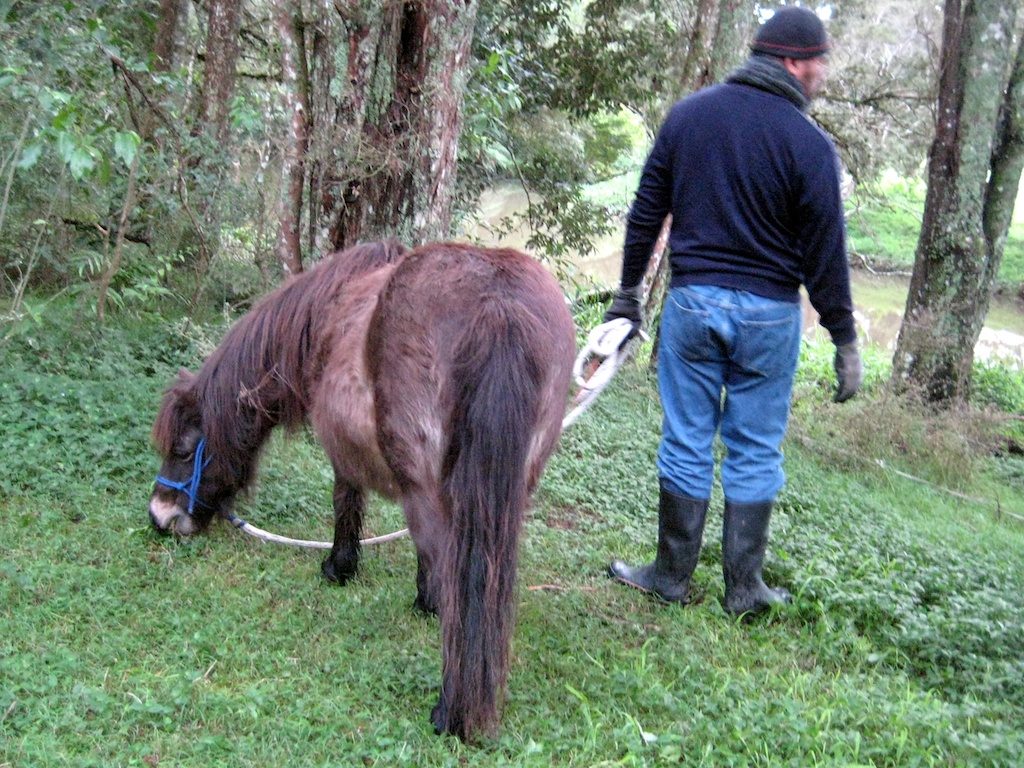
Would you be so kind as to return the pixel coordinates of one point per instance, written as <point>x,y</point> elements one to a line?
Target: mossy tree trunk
<point>1007,163</point>
<point>295,97</point>
<point>387,82</point>
<point>973,169</point>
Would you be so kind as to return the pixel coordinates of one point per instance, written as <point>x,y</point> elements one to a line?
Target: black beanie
<point>792,32</point>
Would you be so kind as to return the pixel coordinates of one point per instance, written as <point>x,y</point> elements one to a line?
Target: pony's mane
<point>260,364</point>
<point>177,412</point>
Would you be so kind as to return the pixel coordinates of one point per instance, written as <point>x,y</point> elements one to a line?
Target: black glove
<point>849,371</point>
<point>626,303</point>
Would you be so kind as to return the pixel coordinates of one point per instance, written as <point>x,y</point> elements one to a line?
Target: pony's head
<point>191,487</point>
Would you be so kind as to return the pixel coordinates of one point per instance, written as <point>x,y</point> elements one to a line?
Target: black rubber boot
<point>680,529</point>
<point>744,538</point>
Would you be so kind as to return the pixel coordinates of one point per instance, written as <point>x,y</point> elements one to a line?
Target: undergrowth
<point>946,446</point>
<point>898,533</point>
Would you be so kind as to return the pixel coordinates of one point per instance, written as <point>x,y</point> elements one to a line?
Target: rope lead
<point>608,340</point>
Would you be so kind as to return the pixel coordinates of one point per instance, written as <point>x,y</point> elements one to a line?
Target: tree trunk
<point>122,227</point>
<point>170,32</point>
<point>387,114</point>
<point>733,30</point>
<point>168,42</point>
<point>697,65</point>
<point>956,260</point>
<point>295,85</point>
<point>323,37</point>
<point>1007,164</point>
<point>208,166</point>
<point>223,23</point>
<point>715,46</point>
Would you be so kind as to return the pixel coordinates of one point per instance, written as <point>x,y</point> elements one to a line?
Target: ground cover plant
<point>905,645</point>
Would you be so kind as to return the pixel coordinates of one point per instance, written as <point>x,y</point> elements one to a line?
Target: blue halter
<point>191,488</point>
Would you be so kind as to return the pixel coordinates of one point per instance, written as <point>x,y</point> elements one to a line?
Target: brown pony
<point>437,377</point>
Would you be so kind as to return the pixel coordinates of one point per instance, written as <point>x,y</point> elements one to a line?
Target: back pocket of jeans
<point>688,332</point>
<point>769,347</point>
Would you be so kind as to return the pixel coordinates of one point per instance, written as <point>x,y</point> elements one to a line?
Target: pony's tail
<point>495,401</point>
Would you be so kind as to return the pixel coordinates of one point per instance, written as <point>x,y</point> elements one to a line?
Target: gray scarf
<point>768,74</point>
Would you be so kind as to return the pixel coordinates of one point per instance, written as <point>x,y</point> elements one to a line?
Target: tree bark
<point>714,47</point>
<point>169,34</point>
<point>222,46</point>
<point>734,28</point>
<point>1007,164</point>
<point>294,81</point>
<point>956,259</point>
<point>207,167</point>
<point>167,45</point>
<point>697,65</point>
<point>387,114</point>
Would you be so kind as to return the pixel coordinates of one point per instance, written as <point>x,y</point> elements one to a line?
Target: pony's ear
<point>179,413</point>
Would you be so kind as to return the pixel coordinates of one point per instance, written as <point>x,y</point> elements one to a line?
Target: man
<point>753,189</point>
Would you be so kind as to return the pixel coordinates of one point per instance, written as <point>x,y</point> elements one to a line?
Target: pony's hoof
<point>333,573</point>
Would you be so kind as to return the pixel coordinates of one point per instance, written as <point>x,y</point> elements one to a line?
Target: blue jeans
<point>715,339</point>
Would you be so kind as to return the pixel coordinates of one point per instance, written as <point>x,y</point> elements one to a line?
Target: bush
<point>998,386</point>
<point>610,143</point>
<point>548,145</point>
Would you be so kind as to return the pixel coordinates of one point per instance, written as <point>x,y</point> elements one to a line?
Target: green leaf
<point>104,172</point>
<point>65,117</point>
<point>81,162</point>
<point>66,145</point>
<point>45,99</point>
<point>492,63</point>
<point>30,155</point>
<point>126,144</point>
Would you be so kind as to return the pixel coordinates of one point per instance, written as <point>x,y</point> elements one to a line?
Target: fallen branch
<point>877,271</point>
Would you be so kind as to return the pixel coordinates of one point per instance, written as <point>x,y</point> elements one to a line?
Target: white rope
<point>274,538</point>
<point>608,341</point>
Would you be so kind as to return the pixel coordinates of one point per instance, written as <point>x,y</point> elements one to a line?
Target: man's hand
<point>626,303</point>
<point>849,371</point>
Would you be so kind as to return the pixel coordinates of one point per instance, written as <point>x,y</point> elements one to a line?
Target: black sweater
<point>753,188</point>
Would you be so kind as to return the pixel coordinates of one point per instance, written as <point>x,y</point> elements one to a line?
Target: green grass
<point>884,221</point>
<point>119,647</point>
